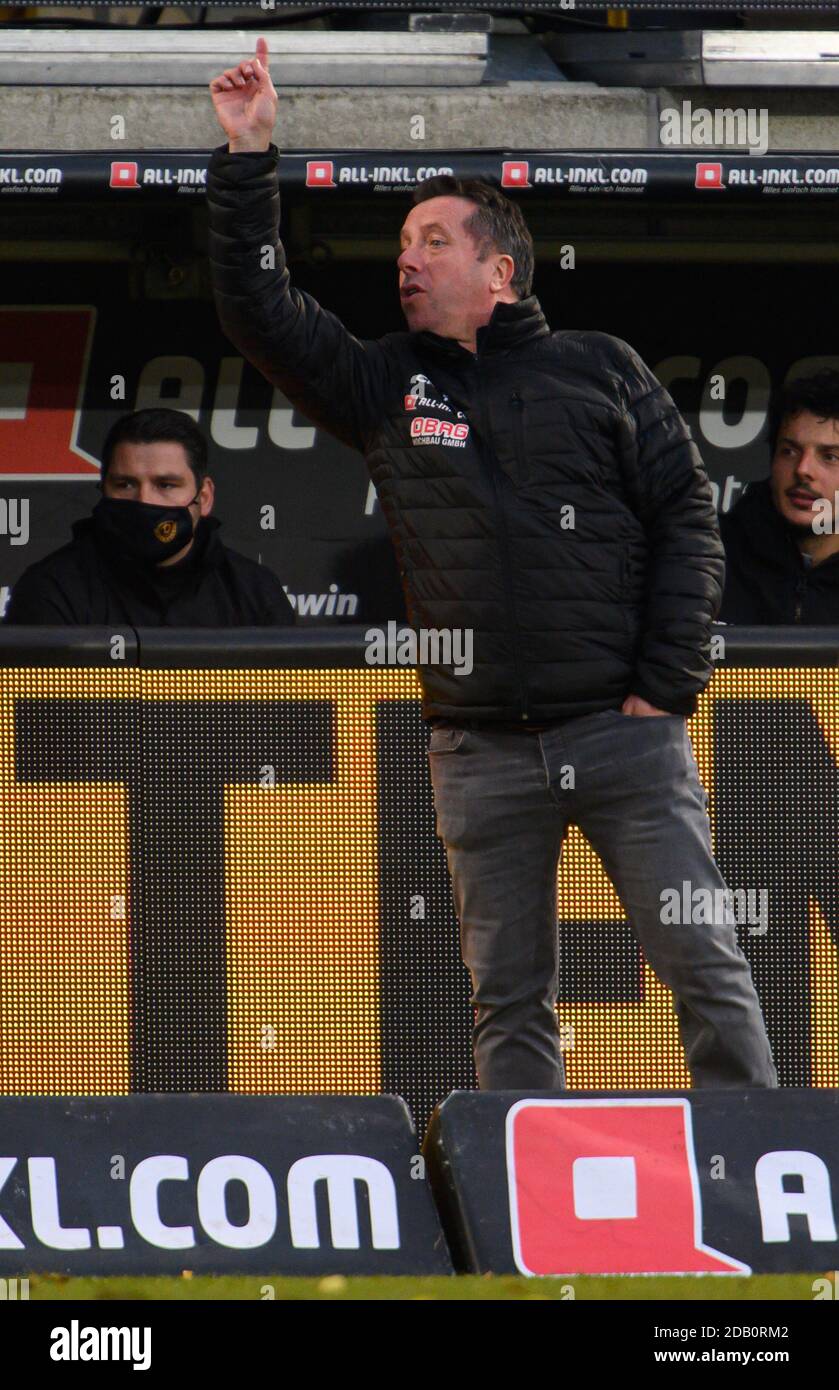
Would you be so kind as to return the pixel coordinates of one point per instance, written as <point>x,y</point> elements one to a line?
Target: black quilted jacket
<point>480,462</point>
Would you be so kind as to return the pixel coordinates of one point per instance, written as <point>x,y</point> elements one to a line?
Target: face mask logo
<point>141,530</point>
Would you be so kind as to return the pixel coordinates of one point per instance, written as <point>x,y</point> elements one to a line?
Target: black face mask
<point>142,530</point>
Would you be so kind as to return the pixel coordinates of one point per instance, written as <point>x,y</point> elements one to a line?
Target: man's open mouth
<point>408,291</point>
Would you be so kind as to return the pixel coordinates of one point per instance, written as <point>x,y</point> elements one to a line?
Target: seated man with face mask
<point>150,554</point>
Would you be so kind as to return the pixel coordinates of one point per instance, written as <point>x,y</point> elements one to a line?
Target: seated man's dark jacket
<point>473,465</point>
<point>89,581</point>
<point>767,580</point>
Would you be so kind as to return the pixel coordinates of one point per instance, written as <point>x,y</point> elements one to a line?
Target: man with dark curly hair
<point>782,538</point>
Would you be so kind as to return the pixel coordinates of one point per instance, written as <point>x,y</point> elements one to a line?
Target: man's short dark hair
<point>497,224</point>
<point>818,394</point>
<point>159,425</point>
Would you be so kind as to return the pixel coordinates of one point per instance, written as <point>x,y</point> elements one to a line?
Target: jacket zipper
<point>504,539</point>
<point>800,591</point>
<point>517,405</point>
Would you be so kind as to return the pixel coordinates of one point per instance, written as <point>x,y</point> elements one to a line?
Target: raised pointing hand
<point>246,103</point>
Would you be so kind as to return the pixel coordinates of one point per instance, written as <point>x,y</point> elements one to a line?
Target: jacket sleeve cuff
<point>222,157</point>
<point>673,704</point>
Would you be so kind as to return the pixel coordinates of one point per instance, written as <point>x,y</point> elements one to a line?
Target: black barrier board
<point>157,1184</point>
<point>702,1182</point>
<point>163,175</point>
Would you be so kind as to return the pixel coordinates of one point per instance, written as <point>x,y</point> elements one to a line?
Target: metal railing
<point>339,645</point>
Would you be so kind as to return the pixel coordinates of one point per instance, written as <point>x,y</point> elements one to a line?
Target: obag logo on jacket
<point>427,429</point>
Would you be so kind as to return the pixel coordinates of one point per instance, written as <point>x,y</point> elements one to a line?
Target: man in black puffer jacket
<point>544,498</point>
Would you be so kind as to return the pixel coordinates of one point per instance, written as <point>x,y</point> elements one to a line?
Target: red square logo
<point>515,173</point>
<point>607,1187</point>
<point>124,174</point>
<point>410,402</point>
<point>320,173</point>
<point>709,176</point>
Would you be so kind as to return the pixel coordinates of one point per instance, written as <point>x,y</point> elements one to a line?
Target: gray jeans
<point>503,803</point>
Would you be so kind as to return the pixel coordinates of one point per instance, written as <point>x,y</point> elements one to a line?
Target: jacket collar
<point>511,326</point>
<point>206,551</point>
<point>766,534</point>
